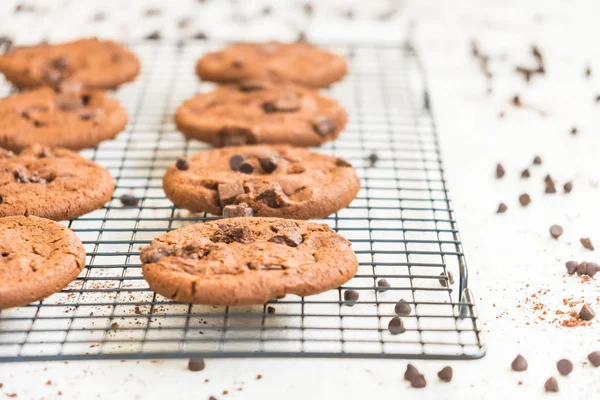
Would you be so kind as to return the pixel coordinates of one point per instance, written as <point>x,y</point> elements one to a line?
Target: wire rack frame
<point>401,225</point>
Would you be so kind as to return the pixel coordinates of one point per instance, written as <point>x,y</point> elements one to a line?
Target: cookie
<point>300,63</point>
<point>74,119</point>
<point>256,111</point>
<point>56,183</point>
<point>38,257</point>
<point>91,62</point>
<point>247,261</point>
<point>275,181</point>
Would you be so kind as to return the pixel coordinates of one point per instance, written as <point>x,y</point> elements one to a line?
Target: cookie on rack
<point>73,119</point>
<point>297,62</point>
<point>257,111</point>
<point>247,261</point>
<point>100,64</point>
<point>57,184</point>
<point>38,257</point>
<point>272,180</point>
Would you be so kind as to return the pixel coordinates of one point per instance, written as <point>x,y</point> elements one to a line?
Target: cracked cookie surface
<point>38,257</point>
<point>247,261</point>
<point>57,184</point>
<point>274,181</point>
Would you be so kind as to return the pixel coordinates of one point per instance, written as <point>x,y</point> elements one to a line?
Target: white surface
<point>504,252</point>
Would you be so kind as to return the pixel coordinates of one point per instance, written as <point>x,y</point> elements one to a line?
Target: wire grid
<point>401,226</point>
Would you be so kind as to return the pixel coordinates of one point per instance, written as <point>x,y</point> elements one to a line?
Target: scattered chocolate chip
<point>524,199</point>
<point>564,366</point>
<point>550,187</point>
<point>200,36</point>
<point>373,158</point>
<point>501,208</point>
<point>588,71</point>
<point>237,63</point>
<point>396,326</point>
<point>289,236</point>
<point>251,85</point>
<point>350,297</point>
<point>586,313</point>
<point>418,382</point>
<point>548,179</point>
<point>402,307</point>
<point>582,268</point>
<point>182,164</point>
<point>445,374</point>
<point>551,385</point>
<point>525,173</point>
<point>268,164</point>
<point>246,168</point>
<point>594,358</point>
<point>1,199</point>
<point>235,161</point>
<point>196,364</point>
<point>228,192</point>
<point>516,100</point>
<point>382,284</point>
<point>592,269</point>
<point>270,310</point>
<point>571,267</point>
<point>446,282</point>
<point>411,372</point>
<point>598,99</point>
<point>153,36</point>
<point>574,131</point>
<point>519,364</point>
<point>237,210</point>
<point>323,125</point>
<point>537,160</point>
<point>587,243</point>
<point>556,231</point>
<point>128,200</point>
<point>287,103</point>
<point>499,171</point>
<point>567,187</point>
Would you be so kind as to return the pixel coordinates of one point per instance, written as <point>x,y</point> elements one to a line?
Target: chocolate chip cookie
<point>274,181</point>
<point>38,257</point>
<point>300,63</point>
<point>51,183</point>
<point>257,111</point>
<point>73,119</point>
<point>90,62</point>
<point>247,261</point>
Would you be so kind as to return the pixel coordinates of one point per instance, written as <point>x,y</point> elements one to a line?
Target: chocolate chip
<point>519,364</point>
<point>383,285</point>
<point>501,208</point>
<point>251,85</point>
<point>548,179</point>
<point>237,210</point>
<point>550,187</point>
<point>551,385</point>
<point>564,366</point>
<point>499,171</point>
<point>402,307</point>
<point>153,36</point>
<point>516,100</point>
<point>291,237</point>
<point>228,192</point>
<point>588,71</point>
<point>571,267</point>
<point>200,36</point>
<point>594,358</point>
<point>129,200</point>
<point>525,173</point>
<point>182,164</point>
<point>246,168</point>
<point>154,254</point>
<point>340,162</point>
<point>524,199</point>
<point>582,268</point>
<point>288,103</point>
<point>196,364</point>
<point>396,326</point>
<point>229,233</point>
<point>418,382</point>
<point>37,124</point>
<point>537,160</point>
<point>373,158</point>
<point>556,231</point>
<point>1,199</point>
<point>567,187</point>
<point>235,161</point>
<point>445,282</point>
<point>237,64</point>
<point>586,313</point>
<point>350,297</point>
<point>411,372</point>
<point>592,269</point>
<point>323,125</point>
<point>445,374</point>
<point>268,164</point>
<point>271,310</point>
<point>86,115</point>
<point>587,243</point>
<point>573,131</point>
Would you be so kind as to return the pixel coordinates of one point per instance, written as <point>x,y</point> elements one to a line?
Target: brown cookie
<point>247,261</point>
<point>38,257</point>
<point>75,119</point>
<point>91,62</point>
<point>51,183</point>
<point>275,181</point>
<point>255,112</point>
<point>300,63</point>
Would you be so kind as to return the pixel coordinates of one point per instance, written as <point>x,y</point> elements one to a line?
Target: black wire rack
<point>401,225</point>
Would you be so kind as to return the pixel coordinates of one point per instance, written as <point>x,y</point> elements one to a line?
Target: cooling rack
<point>401,225</point>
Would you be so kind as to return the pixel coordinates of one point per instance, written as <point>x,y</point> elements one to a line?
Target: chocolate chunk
<point>350,297</point>
<point>271,310</point>
<point>235,161</point>
<point>272,196</point>
<point>551,385</point>
<point>402,307</point>
<point>582,268</point>
<point>154,254</point>
<point>571,267</point>
<point>268,164</point>
<point>196,364</point>
<point>525,173</point>
<point>383,285</point>
<point>251,85</point>
<point>499,171</point>
<point>237,64</point>
<point>501,208</point>
<point>340,162</point>
<point>556,231</point>
<point>567,187</point>
<point>445,374</point>
<point>237,210</point>
<point>396,326</point>
<point>592,269</point>
<point>594,358</point>
<point>537,160</point>
<point>418,381</point>
<point>288,103</point>
<point>246,168</point>
<point>182,164</point>
<point>290,237</point>
<point>228,192</point>
<point>550,188</point>
<point>445,282</point>
<point>128,200</point>
<point>411,372</point>
<point>153,36</point>
<point>586,313</point>
<point>373,158</point>
<point>524,199</point>
<point>229,233</point>
<point>231,136</point>
<point>323,125</point>
<point>564,366</point>
<point>519,364</point>
<point>587,243</point>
